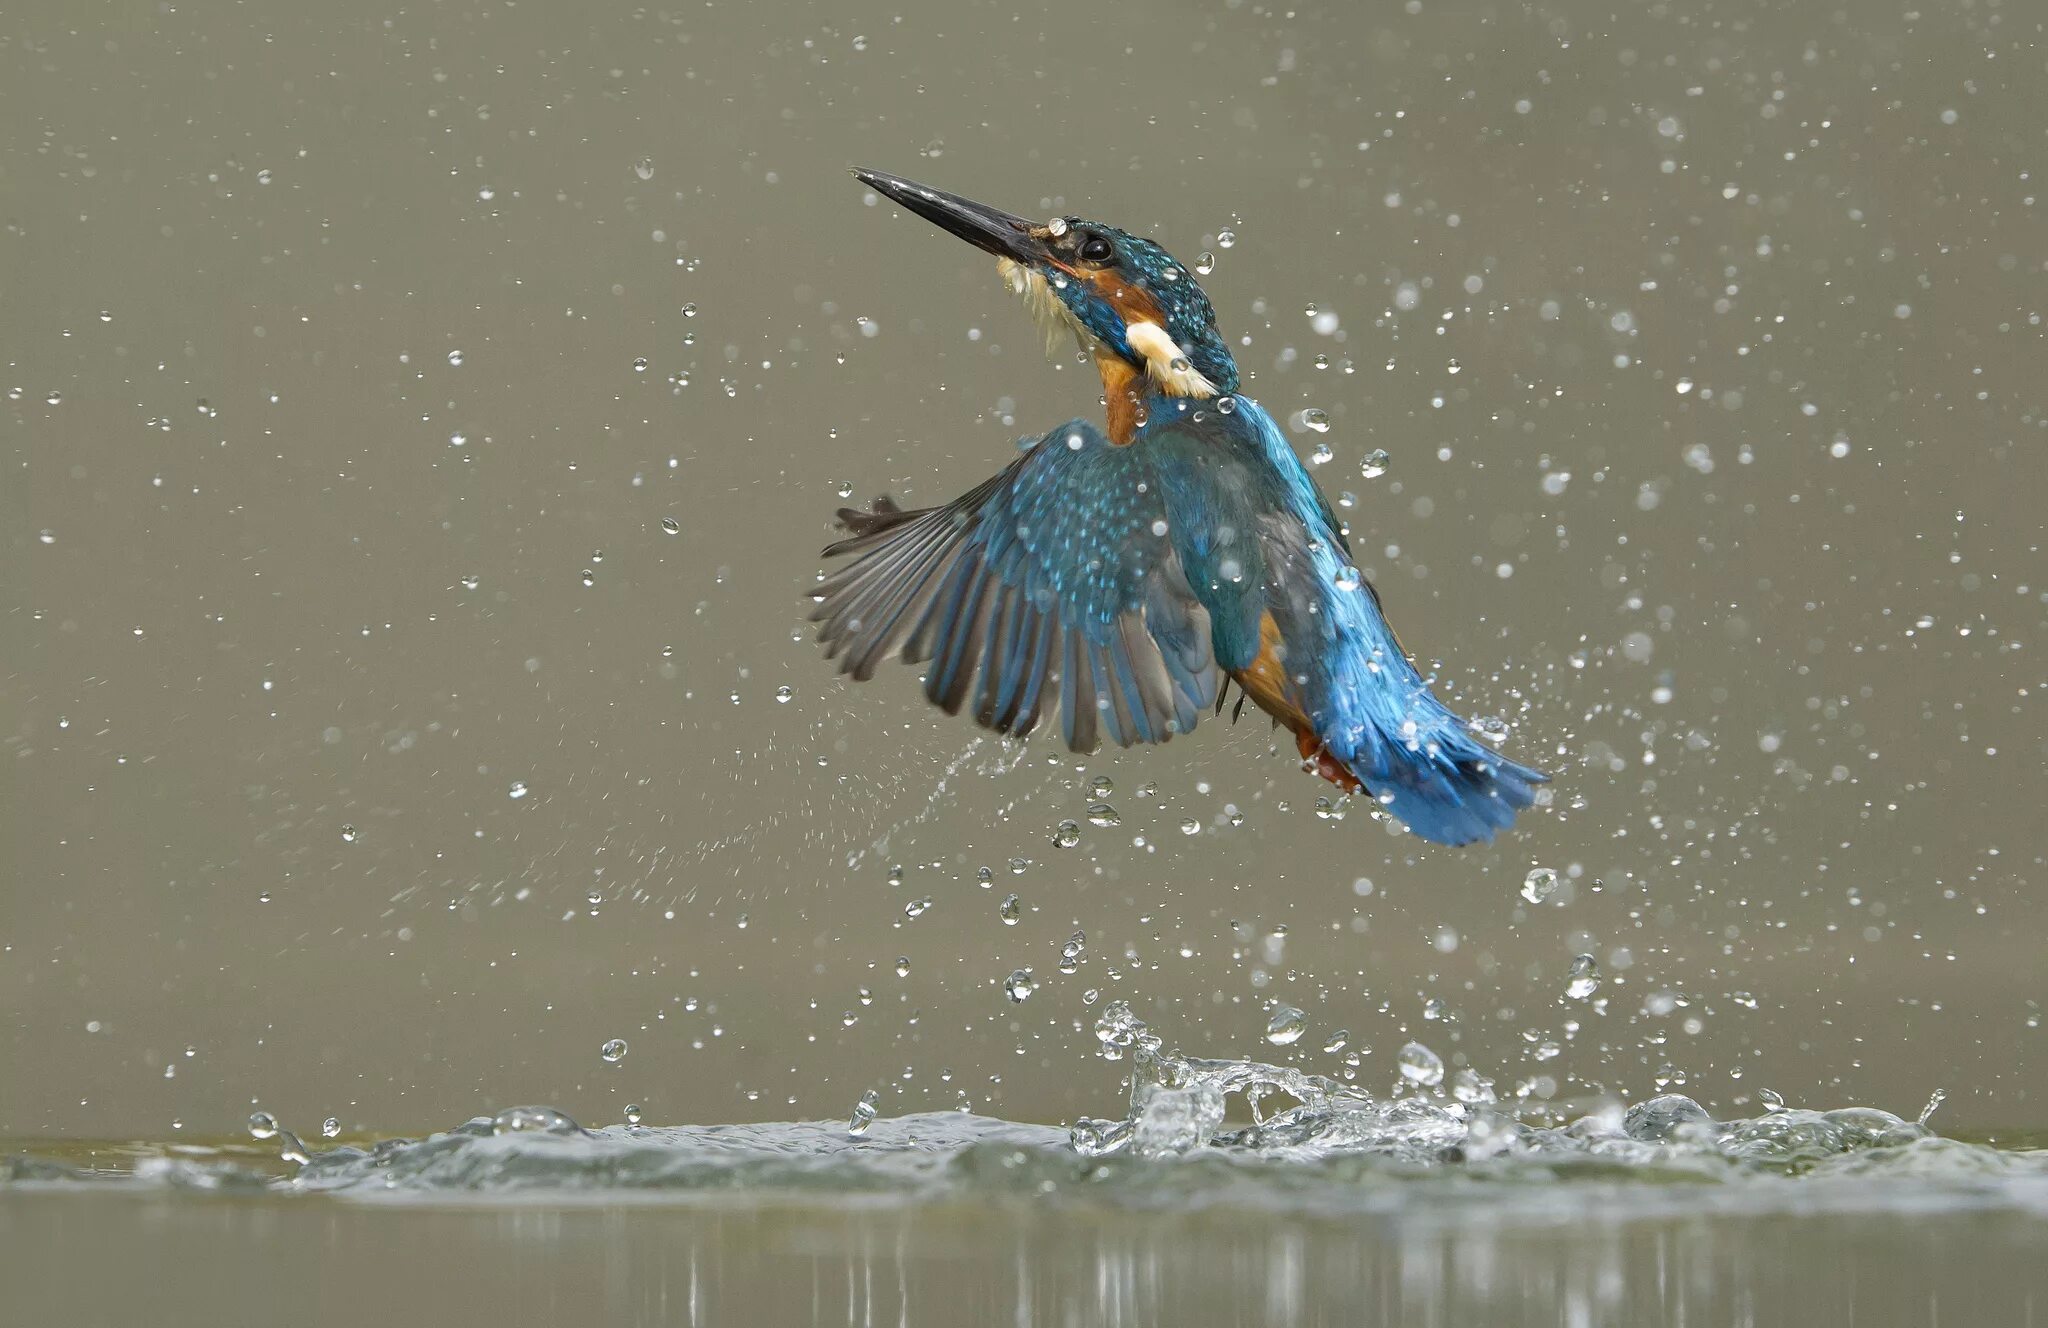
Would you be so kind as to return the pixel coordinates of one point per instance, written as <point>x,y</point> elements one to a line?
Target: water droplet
<point>1071,950</point>
<point>613,1051</point>
<point>917,908</point>
<point>632,1113</point>
<point>1583,979</point>
<point>1019,986</point>
<point>1101,786</point>
<point>517,791</point>
<point>1420,1065</point>
<point>1539,885</point>
<point>689,311</point>
<point>1057,226</point>
<point>472,581</point>
<point>533,1120</point>
<point>640,364</point>
<point>1934,1101</point>
<point>1315,419</point>
<point>1190,826</point>
<point>263,898</point>
<point>1375,463</point>
<point>1226,238</point>
<point>54,399</point>
<point>1435,1010</point>
<point>1205,262</point>
<point>1471,1087</point>
<point>262,1125</point>
<point>330,1127</point>
<point>1286,1026</point>
<point>903,966</point>
<point>671,525</point>
<point>1226,405</point>
<point>644,168</point>
<point>1338,1041</point>
<point>1488,728</point>
<point>1348,578</point>
<point>348,834</point>
<point>1009,910</point>
<point>1067,834</point>
<point>589,578</point>
<point>47,536</point>
<point>1323,455</point>
<point>1453,367</point>
<point>864,1113</point>
<point>1102,814</point>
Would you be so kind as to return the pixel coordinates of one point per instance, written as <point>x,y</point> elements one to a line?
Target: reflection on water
<point>1422,1256</point>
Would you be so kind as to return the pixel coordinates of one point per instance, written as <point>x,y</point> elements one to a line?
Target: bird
<point>1117,578</point>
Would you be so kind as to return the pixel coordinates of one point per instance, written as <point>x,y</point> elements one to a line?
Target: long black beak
<point>984,227</point>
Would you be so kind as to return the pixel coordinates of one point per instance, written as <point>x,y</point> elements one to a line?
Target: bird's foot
<point>1316,758</point>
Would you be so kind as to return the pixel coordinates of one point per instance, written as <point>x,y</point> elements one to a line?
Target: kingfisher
<point>1116,579</point>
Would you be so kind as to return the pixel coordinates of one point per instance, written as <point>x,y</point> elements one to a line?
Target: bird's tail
<point>1364,718</point>
<point>1444,785</point>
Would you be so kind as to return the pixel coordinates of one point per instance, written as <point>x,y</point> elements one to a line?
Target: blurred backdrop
<point>420,425</point>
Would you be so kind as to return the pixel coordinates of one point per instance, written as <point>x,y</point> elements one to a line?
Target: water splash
<point>1180,1106</point>
<point>1196,1131</point>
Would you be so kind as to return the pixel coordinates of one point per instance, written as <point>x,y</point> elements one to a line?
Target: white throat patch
<point>1165,362</point>
<point>1053,317</point>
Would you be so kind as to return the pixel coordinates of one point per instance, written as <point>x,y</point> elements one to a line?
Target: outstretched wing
<point>1054,583</point>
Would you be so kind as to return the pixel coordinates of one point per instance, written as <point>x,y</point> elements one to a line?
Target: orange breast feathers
<point>1123,388</point>
<point>1265,680</point>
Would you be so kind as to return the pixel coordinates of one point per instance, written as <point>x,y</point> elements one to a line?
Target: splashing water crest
<point>1284,1138</point>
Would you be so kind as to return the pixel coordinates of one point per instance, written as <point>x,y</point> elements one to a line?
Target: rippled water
<point>1229,1191</point>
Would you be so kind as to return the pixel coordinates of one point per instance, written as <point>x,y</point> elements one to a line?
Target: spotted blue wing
<point>1051,588</point>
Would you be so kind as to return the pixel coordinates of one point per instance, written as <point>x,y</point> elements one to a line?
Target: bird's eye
<point>1095,249</point>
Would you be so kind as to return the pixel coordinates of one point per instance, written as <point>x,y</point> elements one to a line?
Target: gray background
<point>253,595</point>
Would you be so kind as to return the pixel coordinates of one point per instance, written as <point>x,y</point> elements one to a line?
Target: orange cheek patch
<point>1131,303</point>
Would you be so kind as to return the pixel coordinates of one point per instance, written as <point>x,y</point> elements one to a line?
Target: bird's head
<point>1124,299</point>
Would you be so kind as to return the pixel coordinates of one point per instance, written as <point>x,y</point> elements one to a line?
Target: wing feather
<point>1050,584</point>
